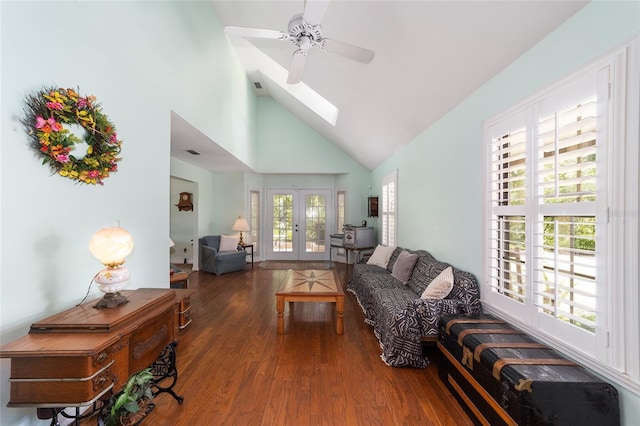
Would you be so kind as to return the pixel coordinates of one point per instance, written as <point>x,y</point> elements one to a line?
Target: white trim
<point>390,178</point>
<point>618,338</point>
<point>257,248</point>
<point>632,203</point>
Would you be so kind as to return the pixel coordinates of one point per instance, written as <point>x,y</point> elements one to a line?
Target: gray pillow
<point>403,267</point>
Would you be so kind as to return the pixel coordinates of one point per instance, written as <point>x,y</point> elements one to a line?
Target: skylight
<point>255,61</point>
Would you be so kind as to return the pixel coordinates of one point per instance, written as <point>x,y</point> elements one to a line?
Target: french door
<point>297,223</point>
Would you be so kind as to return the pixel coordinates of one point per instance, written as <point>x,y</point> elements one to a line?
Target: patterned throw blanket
<point>400,318</point>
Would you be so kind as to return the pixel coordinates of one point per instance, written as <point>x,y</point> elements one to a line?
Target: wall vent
<point>193,152</point>
<point>257,84</point>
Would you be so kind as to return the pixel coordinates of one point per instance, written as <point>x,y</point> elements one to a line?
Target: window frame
<point>614,348</point>
<point>389,210</point>
<point>255,217</point>
<point>341,210</point>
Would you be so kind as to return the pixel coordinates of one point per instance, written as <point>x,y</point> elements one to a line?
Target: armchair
<point>218,262</point>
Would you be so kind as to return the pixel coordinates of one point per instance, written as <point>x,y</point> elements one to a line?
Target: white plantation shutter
<point>254,218</point>
<point>546,229</point>
<point>389,209</point>
<point>561,215</point>
<point>342,210</point>
<point>507,228</point>
<point>567,173</point>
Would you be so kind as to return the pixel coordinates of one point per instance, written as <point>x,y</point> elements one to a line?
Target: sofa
<point>401,318</point>
<point>218,261</point>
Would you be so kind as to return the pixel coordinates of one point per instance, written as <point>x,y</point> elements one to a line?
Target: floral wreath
<point>49,111</point>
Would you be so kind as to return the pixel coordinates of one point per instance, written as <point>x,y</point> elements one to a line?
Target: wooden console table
<point>82,355</point>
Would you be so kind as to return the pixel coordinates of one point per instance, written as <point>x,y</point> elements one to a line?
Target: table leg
<point>280,308</point>
<point>340,315</point>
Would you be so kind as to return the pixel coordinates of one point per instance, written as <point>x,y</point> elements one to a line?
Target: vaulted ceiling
<point>429,56</point>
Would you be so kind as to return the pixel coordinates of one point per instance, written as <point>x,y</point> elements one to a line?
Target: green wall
<point>142,60</point>
<point>440,172</point>
<point>288,148</point>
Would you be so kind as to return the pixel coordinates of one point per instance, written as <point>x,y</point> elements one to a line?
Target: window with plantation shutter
<point>556,257</point>
<point>342,210</point>
<point>566,225</point>
<point>508,226</point>
<point>254,218</point>
<point>389,209</point>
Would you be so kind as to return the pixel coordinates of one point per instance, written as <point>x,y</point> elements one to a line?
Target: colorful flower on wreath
<point>47,113</point>
<point>55,105</point>
<point>62,158</point>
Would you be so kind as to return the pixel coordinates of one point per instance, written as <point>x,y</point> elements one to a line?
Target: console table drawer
<point>60,391</point>
<point>184,312</point>
<point>149,341</point>
<point>184,318</point>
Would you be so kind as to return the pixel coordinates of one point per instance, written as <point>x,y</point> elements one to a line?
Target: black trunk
<point>505,377</point>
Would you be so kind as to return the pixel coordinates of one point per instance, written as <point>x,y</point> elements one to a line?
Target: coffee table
<point>310,286</point>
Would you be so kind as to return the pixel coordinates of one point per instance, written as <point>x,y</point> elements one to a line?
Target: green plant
<point>137,389</point>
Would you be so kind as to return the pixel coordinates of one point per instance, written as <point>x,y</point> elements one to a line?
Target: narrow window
<point>254,217</point>
<point>389,212</point>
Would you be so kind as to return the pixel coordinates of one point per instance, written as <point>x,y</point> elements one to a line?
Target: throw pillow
<point>403,267</point>
<point>228,243</point>
<point>381,256</point>
<point>440,287</point>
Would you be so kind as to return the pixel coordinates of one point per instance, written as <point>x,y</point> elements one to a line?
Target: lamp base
<point>111,300</point>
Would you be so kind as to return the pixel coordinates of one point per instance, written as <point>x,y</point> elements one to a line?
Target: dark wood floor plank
<point>234,369</point>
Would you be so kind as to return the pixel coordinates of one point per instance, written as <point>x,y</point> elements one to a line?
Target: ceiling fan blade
<point>296,70</point>
<point>255,33</point>
<point>314,11</point>
<point>347,50</point>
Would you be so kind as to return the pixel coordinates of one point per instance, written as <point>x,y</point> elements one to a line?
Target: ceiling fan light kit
<point>305,32</point>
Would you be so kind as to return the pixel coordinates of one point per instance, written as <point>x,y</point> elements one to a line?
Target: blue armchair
<point>218,262</point>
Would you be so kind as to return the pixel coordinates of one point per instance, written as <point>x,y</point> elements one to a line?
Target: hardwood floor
<point>234,369</point>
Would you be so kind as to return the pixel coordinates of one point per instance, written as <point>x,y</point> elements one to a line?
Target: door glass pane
<point>315,223</point>
<point>282,223</point>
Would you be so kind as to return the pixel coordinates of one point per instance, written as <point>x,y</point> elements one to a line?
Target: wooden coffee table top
<point>311,282</point>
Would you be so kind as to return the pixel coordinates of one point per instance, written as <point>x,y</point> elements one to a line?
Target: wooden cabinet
<point>76,357</point>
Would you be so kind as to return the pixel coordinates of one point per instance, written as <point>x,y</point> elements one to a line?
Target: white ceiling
<point>430,56</point>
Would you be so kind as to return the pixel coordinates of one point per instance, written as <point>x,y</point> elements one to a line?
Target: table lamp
<point>242,226</point>
<point>111,246</point>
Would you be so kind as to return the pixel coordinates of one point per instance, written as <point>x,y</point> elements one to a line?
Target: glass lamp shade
<point>111,246</point>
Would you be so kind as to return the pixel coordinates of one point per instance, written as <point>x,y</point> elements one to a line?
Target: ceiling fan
<point>305,32</point>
